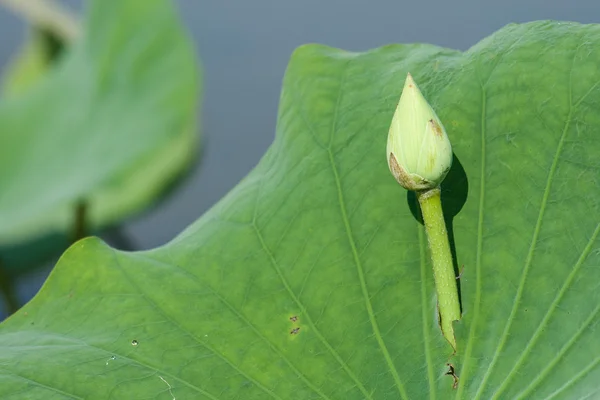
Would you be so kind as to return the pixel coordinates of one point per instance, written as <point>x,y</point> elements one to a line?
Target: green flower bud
<point>418,150</point>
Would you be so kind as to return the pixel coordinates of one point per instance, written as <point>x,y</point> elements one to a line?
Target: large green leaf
<point>311,278</point>
<point>111,125</point>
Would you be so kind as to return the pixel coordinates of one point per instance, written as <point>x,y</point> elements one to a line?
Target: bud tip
<point>419,153</point>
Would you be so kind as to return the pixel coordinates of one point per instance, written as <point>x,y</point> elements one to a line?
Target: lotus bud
<point>418,149</point>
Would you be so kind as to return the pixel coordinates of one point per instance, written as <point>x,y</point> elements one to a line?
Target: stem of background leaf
<point>11,303</point>
<point>79,222</point>
<point>441,258</point>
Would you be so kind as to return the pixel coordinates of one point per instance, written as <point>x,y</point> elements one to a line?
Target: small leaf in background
<point>308,281</point>
<point>108,128</point>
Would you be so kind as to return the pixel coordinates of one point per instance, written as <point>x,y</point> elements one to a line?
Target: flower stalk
<point>419,156</point>
<point>441,258</point>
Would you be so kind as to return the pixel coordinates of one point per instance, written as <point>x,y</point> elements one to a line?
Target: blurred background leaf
<point>97,134</point>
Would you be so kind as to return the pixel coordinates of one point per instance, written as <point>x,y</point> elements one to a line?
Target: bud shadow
<point>455,189</point>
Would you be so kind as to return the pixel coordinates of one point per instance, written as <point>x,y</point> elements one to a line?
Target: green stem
<point>441,257</point>
<point>79,223</point>
<point>7,291</point>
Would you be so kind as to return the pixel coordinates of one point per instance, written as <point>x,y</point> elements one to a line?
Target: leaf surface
<point>311,279</point>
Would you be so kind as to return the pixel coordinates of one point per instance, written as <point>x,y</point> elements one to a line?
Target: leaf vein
<point>424,313</point>
<point>551,309</point>
<point>352,243</point>
<point>534,241</point>
<point>309,320</point>
<point>41,385</point>
<point>245,321</point>
<point>575,379</point>
<point>479,251</point>
<point>167,317</point>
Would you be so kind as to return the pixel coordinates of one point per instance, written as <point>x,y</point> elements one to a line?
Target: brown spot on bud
<point>408,181</point>
<point>437,129</point>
